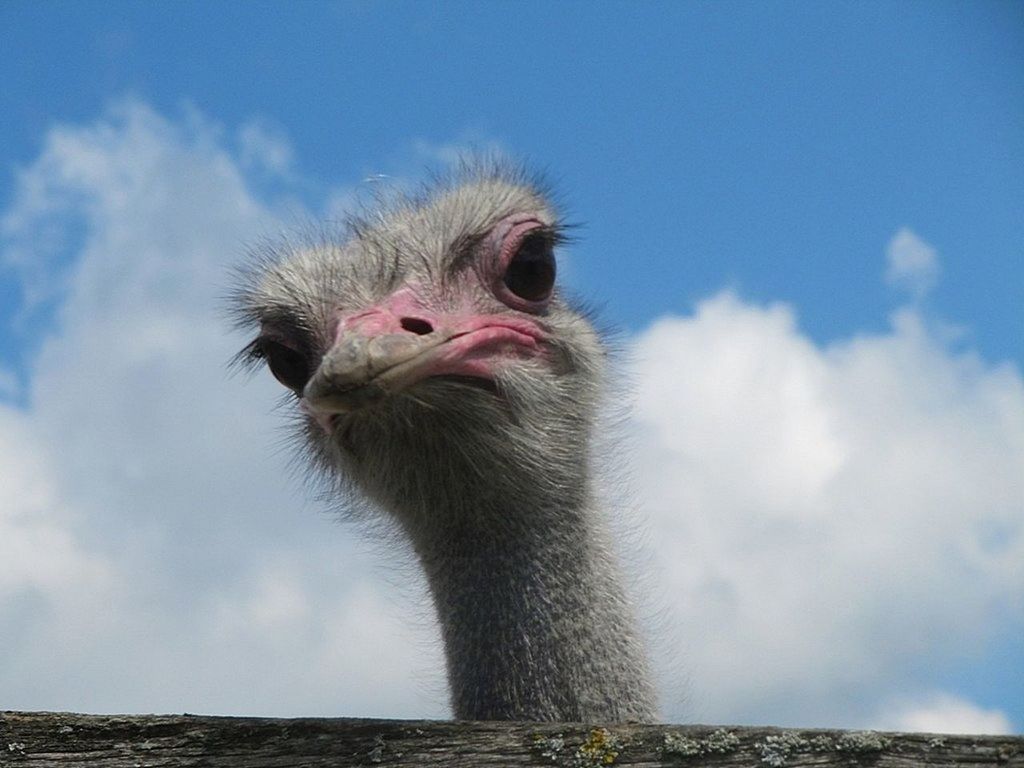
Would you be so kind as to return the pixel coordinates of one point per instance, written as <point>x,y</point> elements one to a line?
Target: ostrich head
<point>439,372</point>
<point>431,340</point>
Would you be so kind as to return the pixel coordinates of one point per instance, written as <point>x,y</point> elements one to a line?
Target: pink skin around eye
<point>508,236</point>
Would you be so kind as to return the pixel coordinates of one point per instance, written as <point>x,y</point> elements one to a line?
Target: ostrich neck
<point>535,621</point>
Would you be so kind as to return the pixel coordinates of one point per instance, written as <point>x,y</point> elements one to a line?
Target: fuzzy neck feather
<point>536,626</point>
<point>535,621</point>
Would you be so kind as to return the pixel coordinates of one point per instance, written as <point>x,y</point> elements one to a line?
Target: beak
<point>360,370</point>
<point>379,353</point>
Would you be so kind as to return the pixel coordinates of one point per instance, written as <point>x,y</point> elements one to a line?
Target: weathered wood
<point>58,740</point>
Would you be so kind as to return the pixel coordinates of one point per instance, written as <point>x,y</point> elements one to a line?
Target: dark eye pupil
<point>289,366</point>
<point>531,272</point>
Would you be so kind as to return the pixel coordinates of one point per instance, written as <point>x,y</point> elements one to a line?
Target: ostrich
<point>438,372</point>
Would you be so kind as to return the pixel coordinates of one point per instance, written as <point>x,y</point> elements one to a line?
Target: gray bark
<point>58,740</point>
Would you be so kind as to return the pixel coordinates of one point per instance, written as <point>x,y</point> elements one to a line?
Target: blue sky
<point>771,147</point>
<point>743,169</point>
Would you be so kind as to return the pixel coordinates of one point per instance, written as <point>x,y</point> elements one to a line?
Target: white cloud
<point>825,516</point>
<point>817,511</point>
<point>944,713</point>
<point>912,264</point>
<point>37,549</point>
<point>9,387</point>
<point>263,145</point>
<point>145,485</point>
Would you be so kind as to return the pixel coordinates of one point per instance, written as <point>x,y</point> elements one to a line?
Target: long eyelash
<point>553,235</point>
<point>465,249</point>
<point>558,234</point>
<point>549,235</point>
<point>562,233</point>
<point>250,356</point>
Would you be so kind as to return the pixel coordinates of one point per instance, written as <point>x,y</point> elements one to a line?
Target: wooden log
<point>59,740</point>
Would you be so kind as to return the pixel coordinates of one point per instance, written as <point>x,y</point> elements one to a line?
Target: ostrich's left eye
<point>530,273</point>
<point>289,366</point>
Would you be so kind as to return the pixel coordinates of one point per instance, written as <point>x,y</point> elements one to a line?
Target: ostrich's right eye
<point>288,365</point>
<point>530,273</point>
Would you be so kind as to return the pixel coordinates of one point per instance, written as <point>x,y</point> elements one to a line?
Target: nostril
<point>417,325</point>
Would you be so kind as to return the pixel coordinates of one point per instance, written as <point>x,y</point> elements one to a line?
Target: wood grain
<point>45,739</point>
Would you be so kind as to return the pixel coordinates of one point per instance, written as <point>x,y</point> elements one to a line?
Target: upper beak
<point>359,370</point>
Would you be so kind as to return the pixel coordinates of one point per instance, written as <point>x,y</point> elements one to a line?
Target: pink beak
<point>381,351</point>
